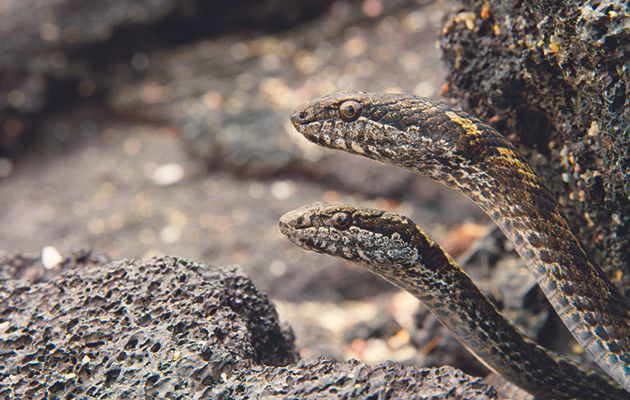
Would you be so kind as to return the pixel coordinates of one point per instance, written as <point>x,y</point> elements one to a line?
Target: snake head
<point>403,130</point>
<point>363,235</point>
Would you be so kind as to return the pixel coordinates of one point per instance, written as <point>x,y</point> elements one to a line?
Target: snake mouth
<point>305,122</point>
<point>293,232</point>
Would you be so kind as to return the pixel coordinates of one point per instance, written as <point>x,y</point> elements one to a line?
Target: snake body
<point>457,149</point>
<point>393,247</point>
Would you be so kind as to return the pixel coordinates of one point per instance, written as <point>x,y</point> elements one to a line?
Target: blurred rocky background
<point>160,127</point>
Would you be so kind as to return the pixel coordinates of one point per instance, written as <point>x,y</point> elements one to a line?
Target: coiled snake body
<point>452,147</point>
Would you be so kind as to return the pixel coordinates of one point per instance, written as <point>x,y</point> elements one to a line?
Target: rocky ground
<point>171,328</point>
<point>162,129</point>
<point>193,154</point>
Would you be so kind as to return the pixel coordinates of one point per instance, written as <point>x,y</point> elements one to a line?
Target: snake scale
<point>393,247</point>
<point>432,139</point>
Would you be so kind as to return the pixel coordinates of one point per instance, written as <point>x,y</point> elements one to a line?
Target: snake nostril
<point>303,115</point>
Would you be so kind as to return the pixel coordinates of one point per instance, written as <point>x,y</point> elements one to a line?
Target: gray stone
<point>171,328</point>
<point>166,327</point>
<point>321,378</point>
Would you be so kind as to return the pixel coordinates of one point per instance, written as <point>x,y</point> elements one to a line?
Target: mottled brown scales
<point>452,147</point>
<point>515,165</point>
<point>393,247</point>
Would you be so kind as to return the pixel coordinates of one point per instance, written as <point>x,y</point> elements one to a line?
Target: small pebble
<point>167,174</point>
<point>51,257</point>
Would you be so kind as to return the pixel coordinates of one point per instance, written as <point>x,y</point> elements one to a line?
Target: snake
<point>431,138</point>
<point>395,248</point>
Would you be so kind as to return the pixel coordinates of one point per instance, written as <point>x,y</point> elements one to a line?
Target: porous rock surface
<point>321,378</point>
<point>167,327</point>
<point>553,76</point>
<point>172,328</point>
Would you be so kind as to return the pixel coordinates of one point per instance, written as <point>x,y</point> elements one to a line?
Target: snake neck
<point>500,181</point>
<point>448,292</point>
<point>589,305</point>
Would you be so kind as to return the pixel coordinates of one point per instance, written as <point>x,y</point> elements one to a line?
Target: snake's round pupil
<point>341,220</point>
<point>350,110</point>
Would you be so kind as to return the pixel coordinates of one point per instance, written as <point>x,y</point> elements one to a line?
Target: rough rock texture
<point>554,77</point>
<point>171,328</point>
<point>325,379</point>
<point>164,327</point>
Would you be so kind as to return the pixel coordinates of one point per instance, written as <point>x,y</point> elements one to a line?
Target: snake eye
<point>341,220</point>
<point>350,110</point>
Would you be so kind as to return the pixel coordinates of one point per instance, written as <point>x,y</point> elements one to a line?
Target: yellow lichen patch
<point>468,18</point>
<point>470,127</point>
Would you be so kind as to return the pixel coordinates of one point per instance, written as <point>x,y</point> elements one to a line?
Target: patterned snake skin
<point>393,247</point>
<point>459,150</point>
